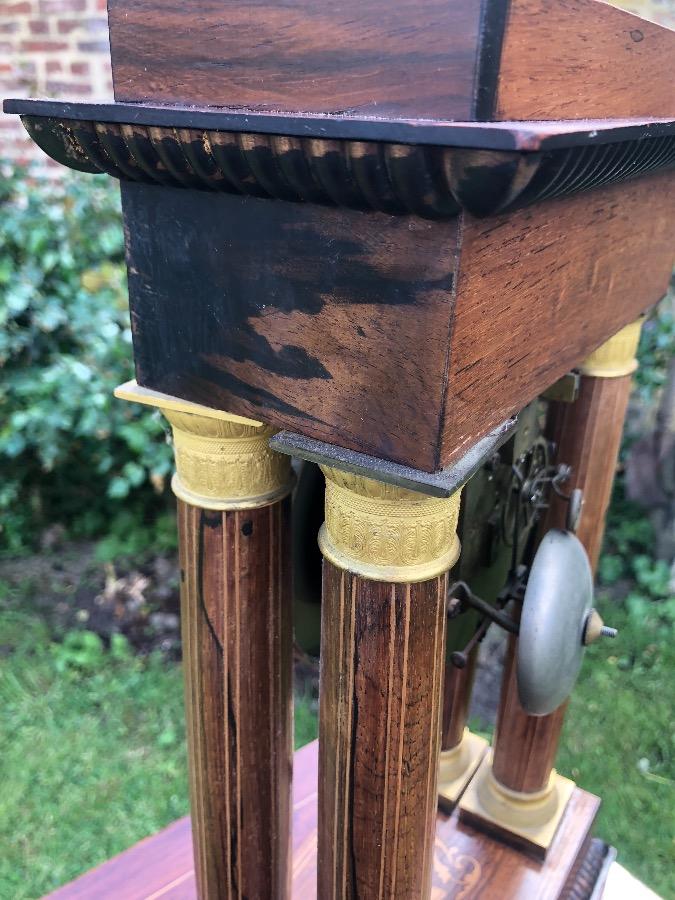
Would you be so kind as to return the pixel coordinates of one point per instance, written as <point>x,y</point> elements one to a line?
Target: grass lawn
<point>92,752</point>
<point>92,755</point>
<point>619,738</point>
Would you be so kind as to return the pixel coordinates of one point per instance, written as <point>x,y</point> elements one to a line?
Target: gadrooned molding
<point>430,181</point>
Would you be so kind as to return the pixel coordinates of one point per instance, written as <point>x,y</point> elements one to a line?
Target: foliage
<point>69,452</point>
<point>92,754</point>
<point>618,737</point>
<point>128,537</point>
<point>92,748</point>
<point>92,744</point>
<point>305,723</point>
<point>627,557</point>
<point>657,349</point>
<point>84,652</point>
<point>629,533</point>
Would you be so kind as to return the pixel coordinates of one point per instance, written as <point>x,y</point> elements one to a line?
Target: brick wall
<point>50,48</point>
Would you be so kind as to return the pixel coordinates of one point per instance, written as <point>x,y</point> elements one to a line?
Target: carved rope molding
<point>433,182</point>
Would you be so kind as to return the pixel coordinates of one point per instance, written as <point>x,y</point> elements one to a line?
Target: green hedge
<point>69,452</point>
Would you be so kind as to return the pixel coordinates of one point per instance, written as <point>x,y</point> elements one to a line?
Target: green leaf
<point>118,488</point>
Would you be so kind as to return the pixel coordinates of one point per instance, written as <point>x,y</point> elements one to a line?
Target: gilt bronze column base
<point>457,767</point>
<point>526,820</point>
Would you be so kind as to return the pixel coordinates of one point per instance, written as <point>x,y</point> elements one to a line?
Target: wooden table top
<point>467,864</point>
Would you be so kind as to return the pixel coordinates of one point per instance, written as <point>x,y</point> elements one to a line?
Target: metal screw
<point>594,628</point>
<point>574,508</point>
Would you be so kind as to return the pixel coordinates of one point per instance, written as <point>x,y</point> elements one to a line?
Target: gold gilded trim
<point>616,357</point>
<point>456,767</point>
<point>226,465</point>
<point>533,817</point>
<point>387,533</point>
<point>223,461</point>
<point>133,392</point>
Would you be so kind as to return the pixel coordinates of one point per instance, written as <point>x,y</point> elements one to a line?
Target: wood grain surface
<point>587,434</point>
<point>356,329</point>
<point>539,289</point>
<point>382,666</point>
<point>524,747</point>
<point>580,59</point>
<point>326,321</point>
<point>457,686</point>
<point>408,58</point>
<point>468,865</point>
<point>527,59</point>
<point>237,659</point>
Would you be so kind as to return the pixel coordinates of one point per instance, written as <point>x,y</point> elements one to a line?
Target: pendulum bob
<point>234,542</point>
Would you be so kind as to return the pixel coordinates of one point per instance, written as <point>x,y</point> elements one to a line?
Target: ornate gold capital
<point>223,461</point>
<point>387,533</point>
<point>616,357</point>
<point>226,465</point>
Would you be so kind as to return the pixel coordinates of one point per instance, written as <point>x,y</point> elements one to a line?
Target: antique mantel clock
<point>372,236</point>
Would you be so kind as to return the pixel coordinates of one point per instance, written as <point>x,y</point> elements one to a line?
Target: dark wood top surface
<point>521,136</point>
<point>442,60</point>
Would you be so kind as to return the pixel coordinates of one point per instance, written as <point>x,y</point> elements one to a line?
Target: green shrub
<point>69,452</point>
<point>657,348</point>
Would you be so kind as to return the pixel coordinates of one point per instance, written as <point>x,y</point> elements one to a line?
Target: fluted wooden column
<point>461,749</point>
<point>525,746</point>
<point>456,699</point>
<point>386,556</point>
<point>521,790</point>
<point>588,434</point>
<point>234,534</point>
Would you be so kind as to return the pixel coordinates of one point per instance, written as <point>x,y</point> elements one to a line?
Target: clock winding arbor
<point>370,235</point>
